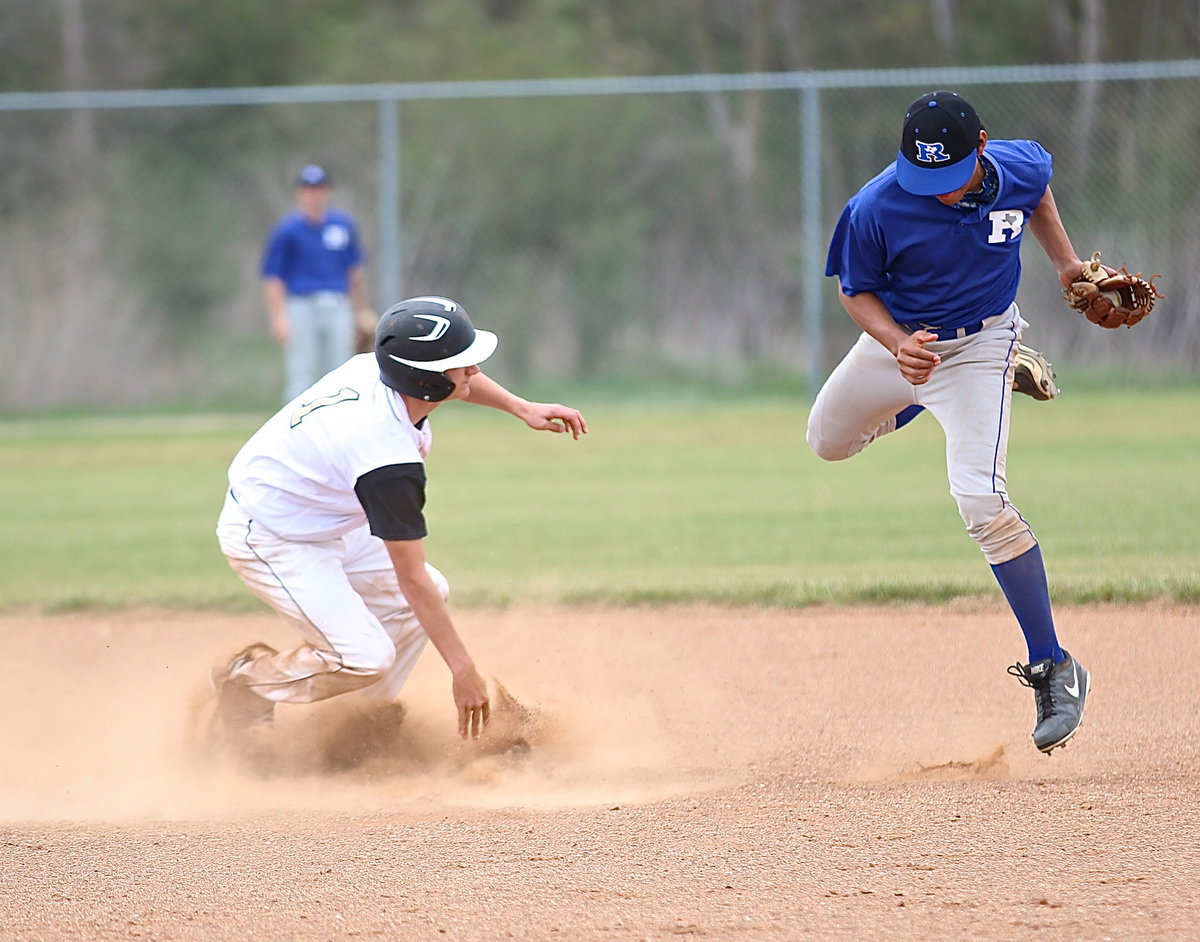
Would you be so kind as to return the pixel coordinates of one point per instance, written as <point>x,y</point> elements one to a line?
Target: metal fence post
<point>810,150</point>
<point>390,261</point>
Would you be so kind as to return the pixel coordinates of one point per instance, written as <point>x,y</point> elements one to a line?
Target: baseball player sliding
<point>324,522</point>
<point>927,257</point>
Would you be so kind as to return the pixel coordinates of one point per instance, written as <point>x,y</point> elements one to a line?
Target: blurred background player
<point>313,279</point>
<point>927,257</point>
<point>324,522</point>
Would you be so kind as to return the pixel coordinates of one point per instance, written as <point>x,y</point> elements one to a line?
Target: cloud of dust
<point>121,729</point>
<point>972,754</point>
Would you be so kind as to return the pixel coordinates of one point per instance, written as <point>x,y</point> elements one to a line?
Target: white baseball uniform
<point>312,496</point>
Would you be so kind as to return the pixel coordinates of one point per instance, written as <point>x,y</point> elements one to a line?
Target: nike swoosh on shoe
<point>1073,687</point>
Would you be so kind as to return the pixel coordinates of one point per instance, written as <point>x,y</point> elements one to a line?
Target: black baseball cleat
<point>240,711</point>
<point>1061,693</point>
<point>1034,376</point>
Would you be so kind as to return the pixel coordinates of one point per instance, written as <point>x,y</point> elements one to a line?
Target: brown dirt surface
<point>656,774</point>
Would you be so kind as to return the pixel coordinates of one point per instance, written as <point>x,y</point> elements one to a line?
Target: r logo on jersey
<point>1005,221</point>
<point>933,153</point>
<point>335,237</point>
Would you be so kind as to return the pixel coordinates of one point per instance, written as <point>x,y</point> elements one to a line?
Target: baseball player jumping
<point>324,522</point>
<point>927,257</point>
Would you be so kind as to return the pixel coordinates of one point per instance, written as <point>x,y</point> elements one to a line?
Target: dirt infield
<point>825,773</point>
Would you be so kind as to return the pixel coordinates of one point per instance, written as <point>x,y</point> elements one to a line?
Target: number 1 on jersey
<point>345,394</point>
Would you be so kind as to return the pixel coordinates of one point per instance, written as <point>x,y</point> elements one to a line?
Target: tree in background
<point>552,212</point>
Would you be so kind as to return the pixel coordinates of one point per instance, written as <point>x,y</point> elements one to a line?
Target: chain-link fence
<point>605,228</point>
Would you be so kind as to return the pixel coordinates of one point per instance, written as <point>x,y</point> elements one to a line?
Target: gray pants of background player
<point>322,338</point>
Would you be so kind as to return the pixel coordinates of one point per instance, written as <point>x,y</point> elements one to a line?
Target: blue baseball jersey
<point>935,264</point>
<point>313,256</point>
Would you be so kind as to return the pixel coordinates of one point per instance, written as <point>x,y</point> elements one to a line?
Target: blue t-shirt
<point>310,257</point>
<point>936,264</point>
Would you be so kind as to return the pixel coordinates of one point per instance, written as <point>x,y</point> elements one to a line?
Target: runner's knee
<point>368,657</point>
<point>439,580</point>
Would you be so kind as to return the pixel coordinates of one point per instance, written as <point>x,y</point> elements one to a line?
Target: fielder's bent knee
<point>996,526</point>
<point>827,450</point>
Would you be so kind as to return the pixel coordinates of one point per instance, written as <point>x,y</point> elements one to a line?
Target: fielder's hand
<point>915,362</point>
<point>281,329</point>
<point>1111,298</point>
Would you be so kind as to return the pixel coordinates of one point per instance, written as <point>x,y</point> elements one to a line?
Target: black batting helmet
<point>417,340</point>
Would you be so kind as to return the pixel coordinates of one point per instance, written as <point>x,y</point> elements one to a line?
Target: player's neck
<point>418,409</point>
<point>975,184</point>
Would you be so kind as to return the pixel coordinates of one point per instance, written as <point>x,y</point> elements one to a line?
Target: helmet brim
<point>482,347</point>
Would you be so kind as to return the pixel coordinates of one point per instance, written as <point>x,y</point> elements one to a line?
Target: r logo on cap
<point>939,144</point>
<point>934,152</point>
<point>313,175</point>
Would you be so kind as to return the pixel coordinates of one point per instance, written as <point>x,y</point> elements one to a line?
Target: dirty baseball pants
<point>969,394</point>
<point>343,599</point>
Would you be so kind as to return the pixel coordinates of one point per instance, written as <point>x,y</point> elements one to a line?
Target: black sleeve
<point>394,497</point>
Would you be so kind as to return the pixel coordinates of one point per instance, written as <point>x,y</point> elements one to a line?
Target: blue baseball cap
<point>313,175</point>
<point>939,144</point>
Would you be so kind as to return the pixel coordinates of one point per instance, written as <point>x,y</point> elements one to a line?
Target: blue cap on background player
<point>313,175</point>
<point>939,144</point>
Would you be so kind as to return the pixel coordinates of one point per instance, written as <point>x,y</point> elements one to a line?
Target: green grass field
<point>661,502</point>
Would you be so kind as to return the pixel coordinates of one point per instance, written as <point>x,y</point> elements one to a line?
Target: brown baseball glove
<point>1111,299</point>
<point>364,330</point>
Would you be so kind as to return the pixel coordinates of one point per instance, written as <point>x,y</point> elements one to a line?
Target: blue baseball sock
<point>907,414</point>
<point>1024,583</point>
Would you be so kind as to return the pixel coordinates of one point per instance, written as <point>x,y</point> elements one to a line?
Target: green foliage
<point>180,43</point>
<point>602,236</point>
<point>226,43</point>
<point>440,40</point>
<point>171,224</point>
<point>29,55</point>
<point>664,501</point>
